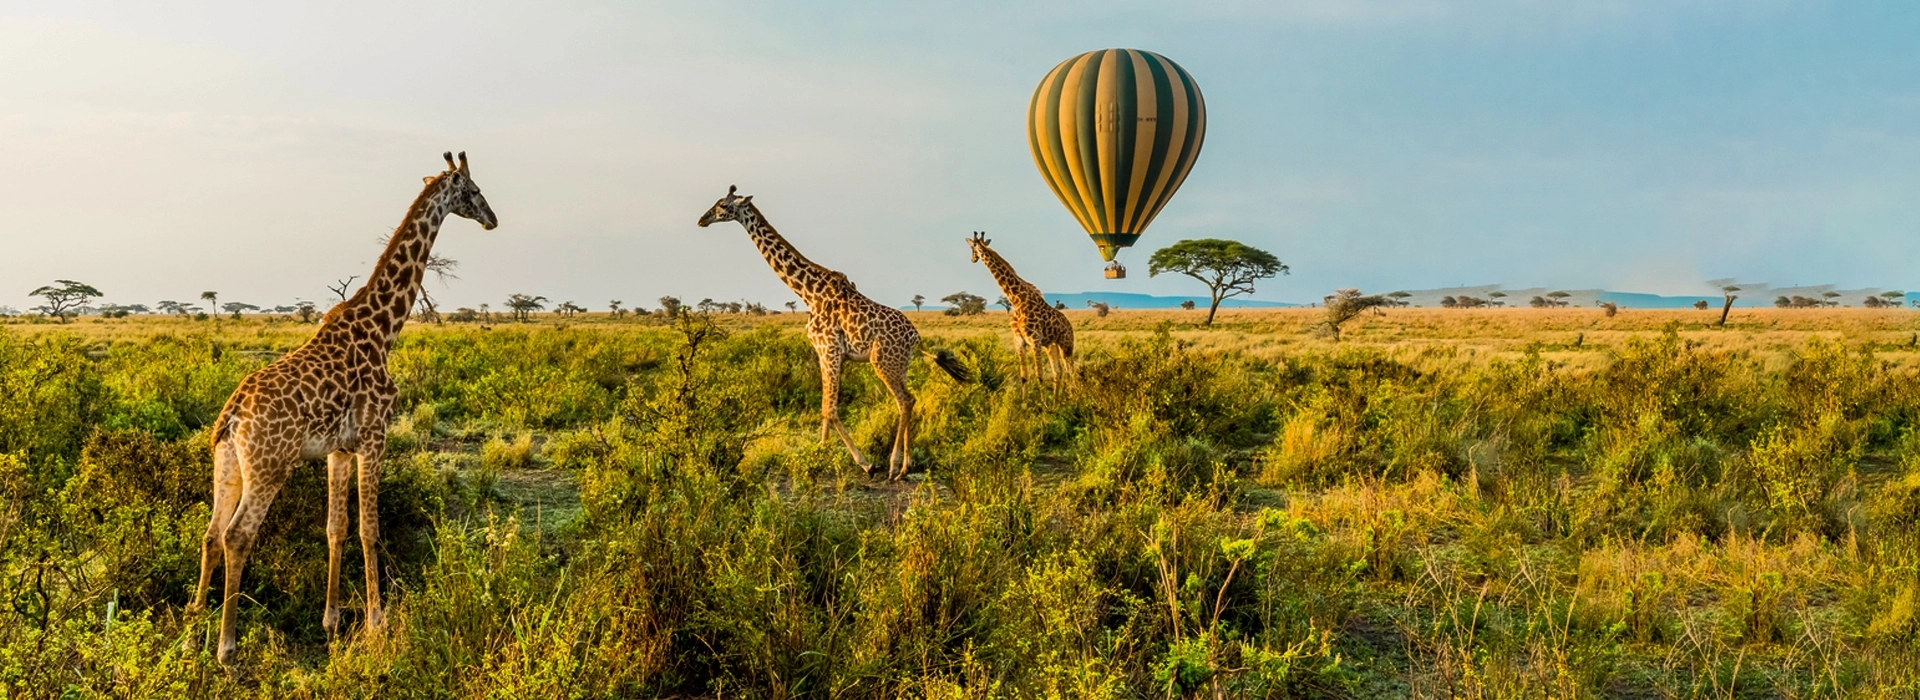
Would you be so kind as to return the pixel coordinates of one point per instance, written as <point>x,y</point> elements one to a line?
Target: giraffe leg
<point>893,372</point>
<point>369,454</point>
<point>226,495</point>
<point>1065,358</point>
<point>1021,349</point>
<point>339,477</point>
<point>260,483</point>
<point>830,408</point>
<point>1057,364</point>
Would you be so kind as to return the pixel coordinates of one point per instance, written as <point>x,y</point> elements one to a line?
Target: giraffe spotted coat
<point>842,325</point>
<point>330,398</point>
<point>1038,328</point>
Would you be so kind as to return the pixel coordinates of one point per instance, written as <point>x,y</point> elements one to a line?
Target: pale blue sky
<point>1628,144</point>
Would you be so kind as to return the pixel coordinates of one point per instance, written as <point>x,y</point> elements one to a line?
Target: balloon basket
<point>1116,271</point>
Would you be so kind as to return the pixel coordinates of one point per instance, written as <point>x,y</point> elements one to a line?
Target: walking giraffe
<point>330,397</point>
<point>1038,327</point>
<point>842,325</point>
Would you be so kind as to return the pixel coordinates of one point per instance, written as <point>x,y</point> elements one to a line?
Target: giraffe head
<point>462,195</point>
<point>978,242</point>
<point>729,208</point>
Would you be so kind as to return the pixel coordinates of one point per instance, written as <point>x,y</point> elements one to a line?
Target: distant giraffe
<point>1038,328</point>
<point>330,397</point>
<point>842,324</point>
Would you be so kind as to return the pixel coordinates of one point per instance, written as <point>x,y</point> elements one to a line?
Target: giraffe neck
<point>380,307</point>
<point>805,277</point>
<point>1017,289</point>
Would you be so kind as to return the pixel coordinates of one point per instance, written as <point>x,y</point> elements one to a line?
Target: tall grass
<point>640,510</point>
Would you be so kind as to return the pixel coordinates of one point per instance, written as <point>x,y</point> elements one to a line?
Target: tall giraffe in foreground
<point>1038,328</point>
<point>330,397</point>
<point>842,325</point>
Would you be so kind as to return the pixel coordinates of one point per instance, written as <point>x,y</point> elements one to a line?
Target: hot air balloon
<point>1114,133</point>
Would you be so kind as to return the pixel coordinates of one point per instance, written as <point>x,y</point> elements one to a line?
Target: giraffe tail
<point>223,425</point>
<point>949,363</point>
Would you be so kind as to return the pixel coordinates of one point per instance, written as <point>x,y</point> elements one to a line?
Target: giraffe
<point>842,325</point>
<point>330,397</point>
<point>1038,327</point>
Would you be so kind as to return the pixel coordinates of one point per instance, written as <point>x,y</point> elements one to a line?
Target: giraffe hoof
<point>228,650</point>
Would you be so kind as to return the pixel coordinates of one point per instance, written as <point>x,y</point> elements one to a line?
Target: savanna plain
<point>1511,503</point>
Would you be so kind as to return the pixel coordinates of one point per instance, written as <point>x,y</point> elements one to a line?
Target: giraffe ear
<point>747,199</point>
<point>449,156</point>
<point>463,164</point>
<point>428,179</point>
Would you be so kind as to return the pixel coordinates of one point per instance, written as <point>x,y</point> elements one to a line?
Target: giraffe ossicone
<point>330,397</point>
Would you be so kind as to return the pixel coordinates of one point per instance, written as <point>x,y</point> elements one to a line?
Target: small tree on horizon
<point>64,297</point>
<point>918,300</point>
<point>1003,303</point>
<point>1731,293</point>
<point>1347,304</point>
<point>236,308</point>
<point>523,306</point>
<point>671,306</point>
<point>1494,298</point>
<point>1400,298</point>
<point>1228,268</point>
<point>1188,304</point>
<point>964,304</point>
<point>1558,298</point>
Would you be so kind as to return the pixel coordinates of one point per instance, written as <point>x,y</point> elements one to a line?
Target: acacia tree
<point>236,308</point>
<point>794,306</point>
<point>64,297</point>
<point>964,304</point>
<point>1494,298</point>
<point>917,301</point>
<point>212,299</point>
<point>1558,298</point>
<point>1228,268</point>
<point>522,305</point>
<point>1347,304</point>
<point>1003,303</point>
<point>671,306</point>
<point>1731,293</point>
<point>614,307</point>
<point>1400,298</point>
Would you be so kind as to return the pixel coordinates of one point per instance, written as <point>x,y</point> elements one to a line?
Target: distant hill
<point>1126,300</point>
<point>1752,296</point>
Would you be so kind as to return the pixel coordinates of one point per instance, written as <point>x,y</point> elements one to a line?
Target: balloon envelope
<point>1114,132</point>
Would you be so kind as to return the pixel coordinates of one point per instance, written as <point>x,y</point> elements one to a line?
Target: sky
<point>262,150</point>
